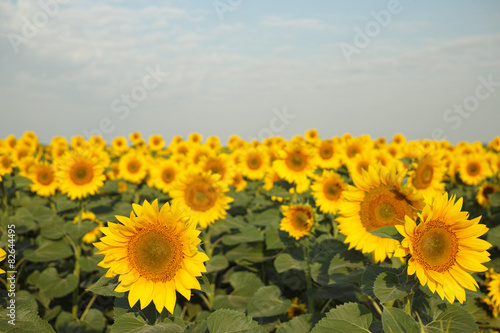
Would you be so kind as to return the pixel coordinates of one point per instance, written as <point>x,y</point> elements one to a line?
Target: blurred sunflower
<point>136,139</point>
<point>239,182</point>
<point>328,154</point>
<point>195,138</point>
<point>327,191</point>
<point>155,254</point>
<point>312,136</point>
<point>296,309</point>
<point>94,234</point>
<point>484,191</point>
<point>473,169</point>
<point>254,163</point>
<point>163,174</point>
<point>132,166</point>
<point>427,175</point>
<point>79,174</point>
<point>204,194</point>
<point>295,163</point>
<point>444,248</point>
<point>3,255</point>
<point>119,145</point>
<point>156,142</point>
<point>298,220</point>
<point>221,164</point>
<point>43,176</point>
<point>376,200</point>
<point>6,166</point>
<point>492,284</point>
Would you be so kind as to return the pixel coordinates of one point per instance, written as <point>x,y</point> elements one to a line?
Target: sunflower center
<point>5,163</point>
<point>424,176</point>
<point>436,246</point>
<point>215,167</point>
<point>168,175</point>
<point>254,162</point>
<point>81,174</point>
<point>45,177</point>
<point>488,190</point>
<point>326,151</point>
<point>473,169</point>
<point>384,206</point>
<point>296,161</point>
<point>200,196</point>
<point>155,253</point>
<point>133,166</point>
<point>332,190</point>
<point>300,220</point>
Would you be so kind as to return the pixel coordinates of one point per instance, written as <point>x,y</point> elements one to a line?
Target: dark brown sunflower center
<point>215,167</point>
<point>133,166</point>
<point>488,189</point>
<point>168,175</point>
<point>254,162</point>
<point>353,150</point>
<point>326,151</point>
<point>296,161</point>
<point>332,190</point>
<point>301,219</point>
<point>45,177</point>
<point>201,196</point>
<point>5,163</point>
<point>473,169</point>
<point>423,177</point>
<point>81,174</point>
<point>384,206</point>
<point>155,253</point>
<point>436,246</point>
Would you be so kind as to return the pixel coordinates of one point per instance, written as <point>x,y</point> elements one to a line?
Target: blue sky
<point>429,70</point>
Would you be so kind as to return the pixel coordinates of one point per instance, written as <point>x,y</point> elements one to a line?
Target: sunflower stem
<point>76,271</point>
<point>211,277</point>
<point>310,301</point>
<point>408,299</point>
<point>87,308</point>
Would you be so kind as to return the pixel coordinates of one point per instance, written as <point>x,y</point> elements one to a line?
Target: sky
<point>426,69</point>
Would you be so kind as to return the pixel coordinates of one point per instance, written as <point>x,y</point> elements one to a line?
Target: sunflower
<point>132,166</point>
<point>492,284</point>
<point>327,191</point>
<point>296,309</point>
<point>295,163</point>
<point>119,145</point>
<point>43,176</point>
<point>254,163</point>
<point>220,164</point>
<point>136,139</point>
<point>156,142</point>
<point>6,166</point>
<point>376,200</point>
<point>444,247</point>
<point>79,174</point>
<point>495,144</point>
<point>3,254</point>
<point>359,163</point>
<point>427,175</point>
<point>155,254</point>
<point>312,136</point>
<point>484,191</point>
<point>163,174</point>
<point>239,183</point>
<point>298,220</point>
<point>195,138</point>
<point>328,154</point>
<point>204,194</point>
<point>398,139</point>
<point>473,169</point>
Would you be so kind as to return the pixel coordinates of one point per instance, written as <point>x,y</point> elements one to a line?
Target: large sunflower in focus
<point>375,201</point>
<point>204,194</point>
<point>444,248</point>
<point>79,174</point>
<point>44,179</point>
<point>298,220</point>
<point>155,254</point>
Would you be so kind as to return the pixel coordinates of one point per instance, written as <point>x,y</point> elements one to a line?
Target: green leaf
<point>244,284</point>
<point>77,230</point>
<point>299,324</point>
<point>388,288</point>
<point>26,316</point>
<point>454,319</point>
<point>52,228</point>
<point>63,203</point>
<point>346,318</point>
<point>265,218</point>
<point>89,264</point>
<point>278,191</point>
<point>228,321</point>
<point>105,286</point>
<point>21,182</point>
<point>49,251</point>
<point>285,262</point>
<point>387,232</point>
<point>272,237</point>
<point>369,276</point>
<point>131,323</point>
<point>494,199</point>
<point>23,220</point>
<point>216,263</point>
<point>396,320</point>
<point>248,235</point>
<point>52,285</point>
<point>267,302</point>
<point>246,252</point>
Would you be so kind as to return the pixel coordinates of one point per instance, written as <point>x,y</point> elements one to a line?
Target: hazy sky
<point>252,68</point>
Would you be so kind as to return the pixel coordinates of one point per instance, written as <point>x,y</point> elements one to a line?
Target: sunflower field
<point>343,234</point>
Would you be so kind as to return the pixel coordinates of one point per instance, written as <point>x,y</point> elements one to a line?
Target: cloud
<point>301,23</point>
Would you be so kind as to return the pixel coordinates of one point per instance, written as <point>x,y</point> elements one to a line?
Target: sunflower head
<point>155,254</point>
<point>298,220</point>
